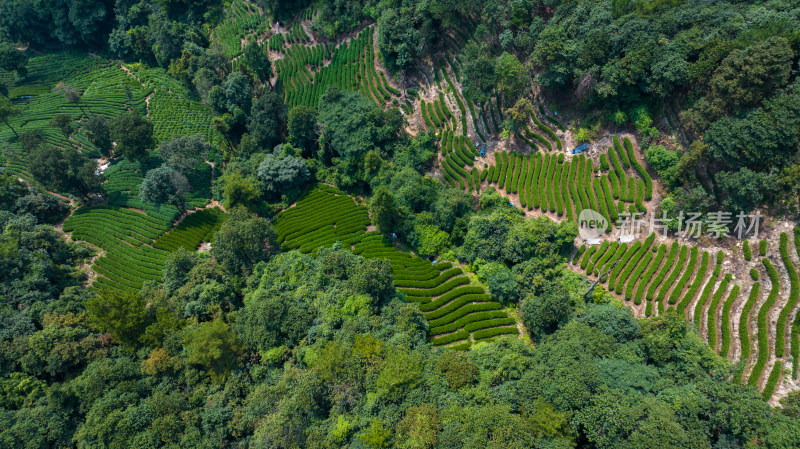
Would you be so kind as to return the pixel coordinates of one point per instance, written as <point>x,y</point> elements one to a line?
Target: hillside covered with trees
<point>329,224</point>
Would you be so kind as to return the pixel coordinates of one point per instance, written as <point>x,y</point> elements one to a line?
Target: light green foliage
<point>214,347</point>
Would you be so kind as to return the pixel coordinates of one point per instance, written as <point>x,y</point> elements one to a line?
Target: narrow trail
<point>147,98</point>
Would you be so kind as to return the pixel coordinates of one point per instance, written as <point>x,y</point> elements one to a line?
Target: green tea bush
<point>648,275</point>
<point>662,273</point>
<point>547,131</point>
<point>726,321</point>
<point>744,334</point>
<point>623,155</point>
<point>634,264</point>
<point>504,170</point>
<point>794,294</point>
<point>494,331</point>
<point>696,284</point>
<point>599,253</point>
<point>578,255</point>
<point>604,162</point>
<point>623,261</point>
<point>763,330</point>
<point>598,265</point>
<point>449,338</point>
<point>687,274</point>
<point>772,381</point>
<point>711,313</point>
<point>748,253</point>
<point>511,173</point>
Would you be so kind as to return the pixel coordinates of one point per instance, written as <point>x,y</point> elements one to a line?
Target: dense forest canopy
<point>256,223</point>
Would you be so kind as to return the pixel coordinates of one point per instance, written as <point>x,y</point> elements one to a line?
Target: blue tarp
<point>580,148</point>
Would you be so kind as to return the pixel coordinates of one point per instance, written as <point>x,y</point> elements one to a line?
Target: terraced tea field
<point>753,323</point>
<point>563,186</point>
<point>242,22</point>
<point>459,311</point>
<point>136,244</point>
<point>305,70</point>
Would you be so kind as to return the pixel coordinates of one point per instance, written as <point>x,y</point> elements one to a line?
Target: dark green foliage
<point>242,241</point>
<point>133,135</point>
<point>184,153</point>
<point>165,185</point>
<point>543,314</point>
<point>282,175</point>
<point>64,170</point>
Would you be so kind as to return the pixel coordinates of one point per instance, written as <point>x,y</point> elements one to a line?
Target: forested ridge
<point>325,224</point>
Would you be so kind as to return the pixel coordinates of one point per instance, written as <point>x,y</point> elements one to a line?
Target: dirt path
<point>147,98</point>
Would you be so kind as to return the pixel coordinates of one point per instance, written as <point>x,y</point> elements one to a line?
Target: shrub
<point>589,187</point>
<point>794,294</point>
<point>573,186</point>
<point>600,252</point>
<point>498,160</point>
<point>536,183</point>
<point>449,338</point>
<point>597,188</point>
<point>550,184</point>
<point>676,292</point>
<point>612,177</point>
<point>437,290</point>
<point>568,189</point>
<point>648,275</point>
<point>748,253</point>
<point>673,253</point>
<point>511,173</point>
<point>609,197</point>
<point>795,345</point>
<point>744,333</point>
<point>754,274</point>
<point>411,281</point>
<point>703,299</point>
<point>726,321</point>
<point>635,276</point>
<point>640,188</point>
<point>763,330</point>
<point>557,190</point>
<point>696,284</point>
<point>504,170</point>
<point>762,247</point>
<point>487,324</point>
<point>623,155</point>
<point>772,381</point>
<point>547,131</point>
<point>629,253</point>
<point>609,264</point>
<point>587,255</point>
<point>467,311</point>
<point>543,178</point>
<point>578,254</point>
<point>711,314</point>
<point>598,266</point>
<point>523,181</point>
<point>604,162</point>
<point>494,331</point>
<point>631,191</point>
<point>453,291</point>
